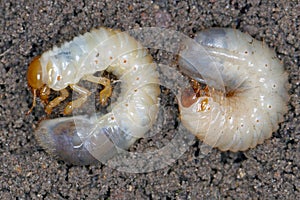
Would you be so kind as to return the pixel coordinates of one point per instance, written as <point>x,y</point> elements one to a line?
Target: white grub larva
<point>83,140</point>
<point>246,94</point>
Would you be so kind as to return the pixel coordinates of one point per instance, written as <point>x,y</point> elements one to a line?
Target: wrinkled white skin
<point>246,67</point>
<point>131,115</point>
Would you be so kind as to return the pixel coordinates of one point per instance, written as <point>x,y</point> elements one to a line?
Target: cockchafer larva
<point>243,104</point>
<point>81,139</point>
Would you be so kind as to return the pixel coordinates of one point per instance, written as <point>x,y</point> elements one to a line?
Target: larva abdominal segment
<point>131,115</point>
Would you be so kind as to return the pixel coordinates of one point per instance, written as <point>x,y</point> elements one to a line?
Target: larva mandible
<point>243,103</point>
<point>83,140</point>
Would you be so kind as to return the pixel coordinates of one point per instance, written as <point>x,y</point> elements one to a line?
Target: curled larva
<point>85,139</point>
<point>241,105</point>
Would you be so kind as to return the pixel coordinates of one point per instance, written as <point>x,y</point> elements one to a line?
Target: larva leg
<point>78,102</point>
<point>63,95</point>
<point>106,92</point>
<point>44,94</point>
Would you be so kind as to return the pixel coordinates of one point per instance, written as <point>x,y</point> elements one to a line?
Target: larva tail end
<point>60,139</point>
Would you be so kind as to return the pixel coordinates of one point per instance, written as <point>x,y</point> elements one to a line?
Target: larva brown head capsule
<point>191,94</point>
<point>188,97</point>
<point>34,79</point>
<point>34,74</point>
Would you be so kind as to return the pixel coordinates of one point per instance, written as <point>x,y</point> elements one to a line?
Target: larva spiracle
<point>244,102</point>
<point>83,140</point>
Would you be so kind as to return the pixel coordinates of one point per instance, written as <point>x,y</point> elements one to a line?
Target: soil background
<point>28,28</point>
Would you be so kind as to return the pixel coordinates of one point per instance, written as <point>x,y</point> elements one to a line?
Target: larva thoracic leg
<point>53,103</point>
<point>106,92</point>
<point>84,139</point>
<point>245,100</point>
<point>77,103</point>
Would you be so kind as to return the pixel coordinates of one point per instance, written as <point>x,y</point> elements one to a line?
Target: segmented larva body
<point>247,90</point>
<point>82,139</point>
